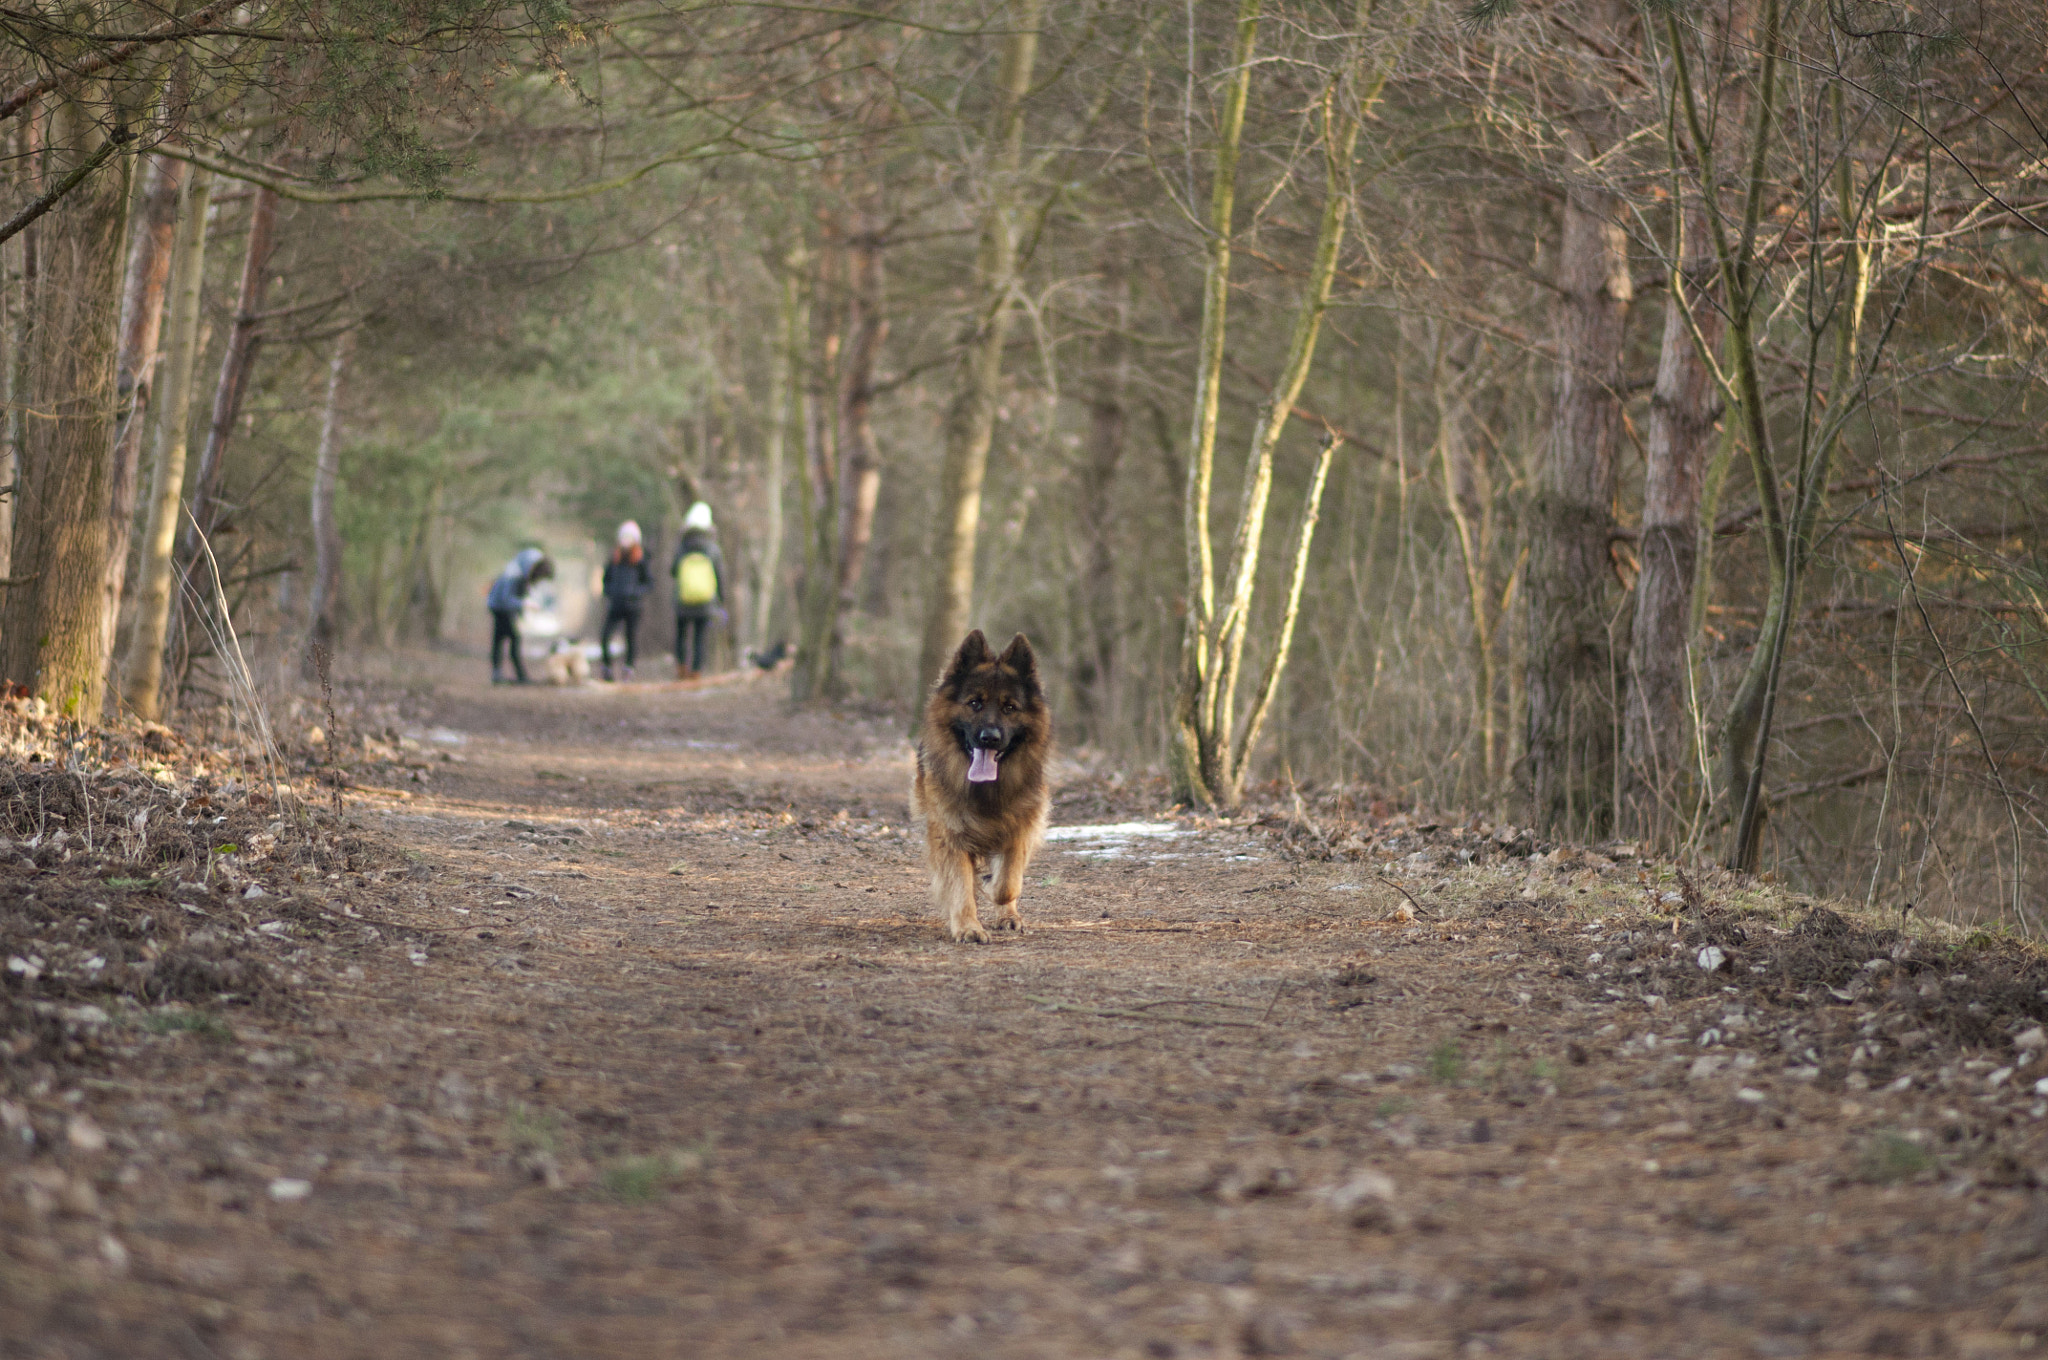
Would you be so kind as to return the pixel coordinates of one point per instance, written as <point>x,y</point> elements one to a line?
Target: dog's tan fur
<point>998,823</point>
<point>565,664</point>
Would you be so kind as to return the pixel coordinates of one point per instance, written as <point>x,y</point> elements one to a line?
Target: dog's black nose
<point>989,737</point>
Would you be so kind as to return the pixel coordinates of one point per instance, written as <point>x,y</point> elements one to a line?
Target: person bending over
<point>699,572</point>
<point>507,599</point>
<point>626,583</point>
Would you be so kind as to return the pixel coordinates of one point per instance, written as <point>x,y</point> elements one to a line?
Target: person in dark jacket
<point>626,583</point>
<point>699,574</point>
<point>507,599</point>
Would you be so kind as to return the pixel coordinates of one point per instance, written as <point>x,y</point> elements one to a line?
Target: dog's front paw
<point>970,932</point>
<point>1010,920</point>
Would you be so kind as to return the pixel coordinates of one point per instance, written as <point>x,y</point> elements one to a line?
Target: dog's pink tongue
<point>981,766</point>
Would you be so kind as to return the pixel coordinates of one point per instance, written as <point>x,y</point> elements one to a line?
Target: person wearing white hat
<point>627,582</point>
<point>699,572</point>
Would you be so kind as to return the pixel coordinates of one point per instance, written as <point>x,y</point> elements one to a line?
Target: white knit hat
<point>629,535</point>
<point>699,517</point>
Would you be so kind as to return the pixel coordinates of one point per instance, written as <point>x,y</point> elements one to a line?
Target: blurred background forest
<point>1621,420</point>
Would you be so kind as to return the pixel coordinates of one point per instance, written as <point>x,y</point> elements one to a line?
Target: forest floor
<point>613,1022</point>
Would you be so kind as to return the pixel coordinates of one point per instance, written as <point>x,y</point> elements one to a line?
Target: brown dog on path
<point>980,782</point>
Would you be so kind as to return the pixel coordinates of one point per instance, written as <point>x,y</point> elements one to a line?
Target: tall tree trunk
<point>860,473</point>
<point>1660,736</point>
<point>1190,783</point>
<point>1212,750</point>
<point>54,641</point>
<point>326,601</point>
<point>142,676</point>
<point>1290,612</point>
<point>971,417</point>
<point>1094,597</point>
<point>235,364</point>
<point>142,315</point>
<point>819,589</point>
<point>1570,586</point>
<point>1468,494</point>
<point>781,371</point>
<point>423,590</point>
<point>416,585</point>
<point>13,301</point>
<point>1747,734</point>
<point>1216,760</point>
<point>20,331</point>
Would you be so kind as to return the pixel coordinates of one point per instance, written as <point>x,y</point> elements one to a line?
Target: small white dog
<point>565,663</point>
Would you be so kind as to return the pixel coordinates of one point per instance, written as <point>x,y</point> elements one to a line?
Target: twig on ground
<point>1404,892</point>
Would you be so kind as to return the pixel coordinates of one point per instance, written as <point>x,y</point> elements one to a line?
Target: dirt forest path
<point>644,1043</point>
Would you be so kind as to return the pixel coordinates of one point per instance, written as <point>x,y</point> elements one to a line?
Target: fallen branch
<point>1113,1013</point>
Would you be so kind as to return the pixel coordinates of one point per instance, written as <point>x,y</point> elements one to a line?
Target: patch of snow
<point>1115,831</point>
<point>1112,840</point>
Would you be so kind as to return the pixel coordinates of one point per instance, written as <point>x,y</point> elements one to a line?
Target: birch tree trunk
<point>1660,735</point>
<point>52,632</point>
<point>142,676</point>
<point>12,301</point>
<point>1290,611</point>
<point>819,588</point>
<point>20,331</point>
<point>1570,583</point>
<point>142,315</point>
<point>970,419</point>
<point>1190,780</point>
<point>1214,749</point>
<point>860,472</point>
<point>240,356</point>
<point>781,370</point>
<point>326,599</point>
<point>1223,764</point>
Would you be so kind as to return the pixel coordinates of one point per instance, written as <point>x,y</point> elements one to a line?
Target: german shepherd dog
<point>980,782</point>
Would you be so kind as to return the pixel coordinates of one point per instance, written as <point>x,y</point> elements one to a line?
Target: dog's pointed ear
<point>1019,658</point>
<point>973,652</point>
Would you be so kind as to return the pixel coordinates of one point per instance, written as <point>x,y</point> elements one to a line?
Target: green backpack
<point>696,579</point>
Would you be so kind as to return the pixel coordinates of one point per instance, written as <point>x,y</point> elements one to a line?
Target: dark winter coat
<point>627,583</point>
